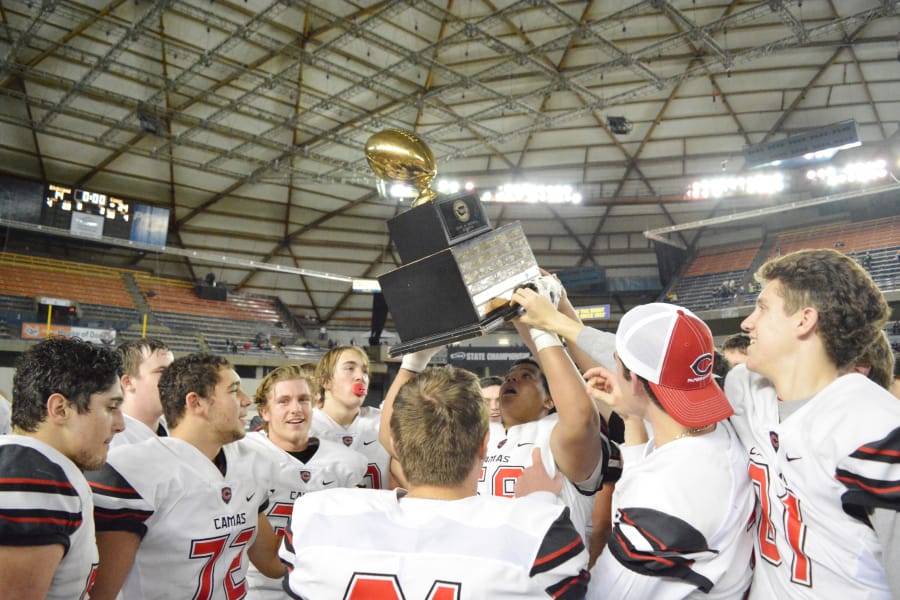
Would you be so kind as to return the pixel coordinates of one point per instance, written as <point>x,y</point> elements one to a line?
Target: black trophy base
<point>428,296</point>
<point>488,324</point>
<point>453,294</point>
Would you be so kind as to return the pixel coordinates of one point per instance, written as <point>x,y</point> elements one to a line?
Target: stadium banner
<point>38,331</point>
<point>478,358</point>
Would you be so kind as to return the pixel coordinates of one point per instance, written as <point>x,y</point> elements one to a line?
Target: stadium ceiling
<point>247,119</point>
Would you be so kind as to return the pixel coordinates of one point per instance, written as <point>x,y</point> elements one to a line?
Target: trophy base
<point>488,324</point>
<point>454,290</point>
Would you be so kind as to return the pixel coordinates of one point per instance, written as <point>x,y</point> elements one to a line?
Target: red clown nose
<point>359,388</point>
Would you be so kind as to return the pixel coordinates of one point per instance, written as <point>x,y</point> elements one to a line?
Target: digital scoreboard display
<point>85,213</point>
<point>95,215</point>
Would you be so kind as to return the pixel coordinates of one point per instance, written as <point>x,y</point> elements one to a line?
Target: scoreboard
<point>94,215</point>
<point>82,213</point>
<point>86,213</point>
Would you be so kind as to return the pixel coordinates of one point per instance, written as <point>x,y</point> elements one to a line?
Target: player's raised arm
<point>576,440</point>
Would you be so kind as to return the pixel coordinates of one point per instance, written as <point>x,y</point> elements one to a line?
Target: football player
<point>543,405</point>
<point>303,464</point>
<point>490,389</point>
<point>143,361</point>
<point>66,408</point>
<point>176,515</point>
<point>343,378</point>
<point>683,504</point>
<point>438,538</point>
<point>824,447</point>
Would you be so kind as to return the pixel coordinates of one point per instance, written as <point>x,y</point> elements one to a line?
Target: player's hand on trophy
<point>417,361</point>
<point>539,308</point>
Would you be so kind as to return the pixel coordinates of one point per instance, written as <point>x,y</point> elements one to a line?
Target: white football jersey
<point>508,457</point>
<point>817,474</point>
<point>496,432</point>
<point>195,524</point>
<point>45,499</point>
<point>681,522</point>
<point>134,432</point>
<point>361,435</point>
<point>332,466</point>
<point>364,544</point>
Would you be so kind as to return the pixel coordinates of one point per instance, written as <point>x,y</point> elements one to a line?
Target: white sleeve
<point>886,523</point>
<point>600,345</point>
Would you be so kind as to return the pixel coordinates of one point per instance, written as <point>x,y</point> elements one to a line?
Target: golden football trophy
<point>455,266</point>
<point>400,157</point>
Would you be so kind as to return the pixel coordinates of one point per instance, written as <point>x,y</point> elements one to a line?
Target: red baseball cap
<point>673,350</point>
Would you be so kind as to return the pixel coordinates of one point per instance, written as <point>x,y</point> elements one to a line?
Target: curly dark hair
<point>68,366</point>
<point>851,308</point>
<point>197,373</point>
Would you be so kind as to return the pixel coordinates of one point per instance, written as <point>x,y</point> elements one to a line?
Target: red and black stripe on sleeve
<point>38,503</point>
<point>874,481</point>
<point>671,539</point>
<point>561,544</point>
<point>117,505</point>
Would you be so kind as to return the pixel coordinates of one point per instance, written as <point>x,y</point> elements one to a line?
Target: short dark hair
<point>490,380</point>
<point>68,366</point>
<point>197,373</point>
<point>626,373</point>
<point>739,342</point>
<point>132,353</point>
<point>720,366</point>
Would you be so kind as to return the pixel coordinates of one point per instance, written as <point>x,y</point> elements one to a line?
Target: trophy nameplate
<point>437,225</point>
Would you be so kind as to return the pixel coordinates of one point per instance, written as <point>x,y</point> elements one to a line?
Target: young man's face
<point>145,386</point>
<point>523,398</point>
<point>491,395</point>
<point>228,407</point>
<point>288,414</point>
<point>771,331</point>
<point>90,433</point>
<point>349,371</point>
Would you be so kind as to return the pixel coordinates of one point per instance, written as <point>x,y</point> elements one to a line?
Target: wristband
<point>543,339</point>
<point>417,361</point>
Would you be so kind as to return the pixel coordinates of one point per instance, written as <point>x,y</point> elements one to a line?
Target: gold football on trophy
<point>401,157</point>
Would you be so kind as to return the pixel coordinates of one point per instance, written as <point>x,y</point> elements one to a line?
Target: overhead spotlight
<point>619,125</point>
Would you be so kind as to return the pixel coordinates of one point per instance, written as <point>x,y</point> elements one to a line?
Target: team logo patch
<point>461,210</point>
<point>773,437</point>
<point>305,475</point>
<point>501,443</point>
<point>703,365</point>
<point>347,439</point>
<point>226,494</point>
